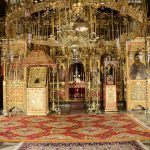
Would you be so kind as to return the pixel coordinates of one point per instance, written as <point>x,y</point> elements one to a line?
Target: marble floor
<point>144,117</point>
<point>140,115</point>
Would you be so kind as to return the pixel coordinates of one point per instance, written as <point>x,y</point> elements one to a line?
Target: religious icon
<point>110,74</point>
<point>109,70</point>
<point>37,77</point>
<point>61,74</point>
<point>138,69</point>
<point>110,79</point>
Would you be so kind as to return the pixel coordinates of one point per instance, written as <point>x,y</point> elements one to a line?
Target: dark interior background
<point>2,8</point>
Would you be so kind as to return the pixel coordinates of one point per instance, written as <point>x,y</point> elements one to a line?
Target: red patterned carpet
<point>72,128</point>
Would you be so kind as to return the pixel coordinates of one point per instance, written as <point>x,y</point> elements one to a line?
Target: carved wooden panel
<point>15,95</point>
<point>37,101</point>
<point>110,98</point>
<point>136,94</point>
<point>148,95</point>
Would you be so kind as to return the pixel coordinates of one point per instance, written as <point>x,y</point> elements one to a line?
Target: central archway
<point>76,81</point>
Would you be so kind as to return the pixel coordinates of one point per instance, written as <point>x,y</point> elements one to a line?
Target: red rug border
<point>76,141</point>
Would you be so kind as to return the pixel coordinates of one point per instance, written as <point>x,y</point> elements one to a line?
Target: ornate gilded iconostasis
<point>86,41</point>
<point>137,74</point>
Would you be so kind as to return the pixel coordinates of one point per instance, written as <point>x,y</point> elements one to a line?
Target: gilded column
<point>148,96</point>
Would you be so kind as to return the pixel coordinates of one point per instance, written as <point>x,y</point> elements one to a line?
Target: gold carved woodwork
<point>16,95</point>
<point>136,94</point>
<point>14,84</point>
<point>21,12</point>
<point>62,92</point>
<point>18,46</point>
<point>148,96</point>
<point>138,91</point>
<point>14,69</point>
<point>136,81</point>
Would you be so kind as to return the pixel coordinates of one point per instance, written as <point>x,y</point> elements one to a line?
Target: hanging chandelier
<point>62,22</point>
<point>81,26</point>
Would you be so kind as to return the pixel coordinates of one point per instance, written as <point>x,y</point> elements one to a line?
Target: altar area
<point>92,55</point>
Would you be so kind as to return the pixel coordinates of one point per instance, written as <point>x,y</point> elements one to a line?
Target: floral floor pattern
<point>72,128</point>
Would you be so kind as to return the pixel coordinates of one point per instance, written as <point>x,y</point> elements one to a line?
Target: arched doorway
<point>76,81</point>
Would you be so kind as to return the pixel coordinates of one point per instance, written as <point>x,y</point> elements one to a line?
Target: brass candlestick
<point>58,102</point>
<point>53,96</point>
<point>97,110</point>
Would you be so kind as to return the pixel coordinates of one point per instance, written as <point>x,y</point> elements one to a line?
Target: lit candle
<point>89,81</point>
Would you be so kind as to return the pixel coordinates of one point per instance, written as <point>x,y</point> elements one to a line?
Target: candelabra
<point>97,110</point>
<point>89,100</point>
<point>94,106</point>
<point>54,109</point>
<point>58,102</point>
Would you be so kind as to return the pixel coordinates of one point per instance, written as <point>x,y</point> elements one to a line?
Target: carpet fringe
<point>74,141</point>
